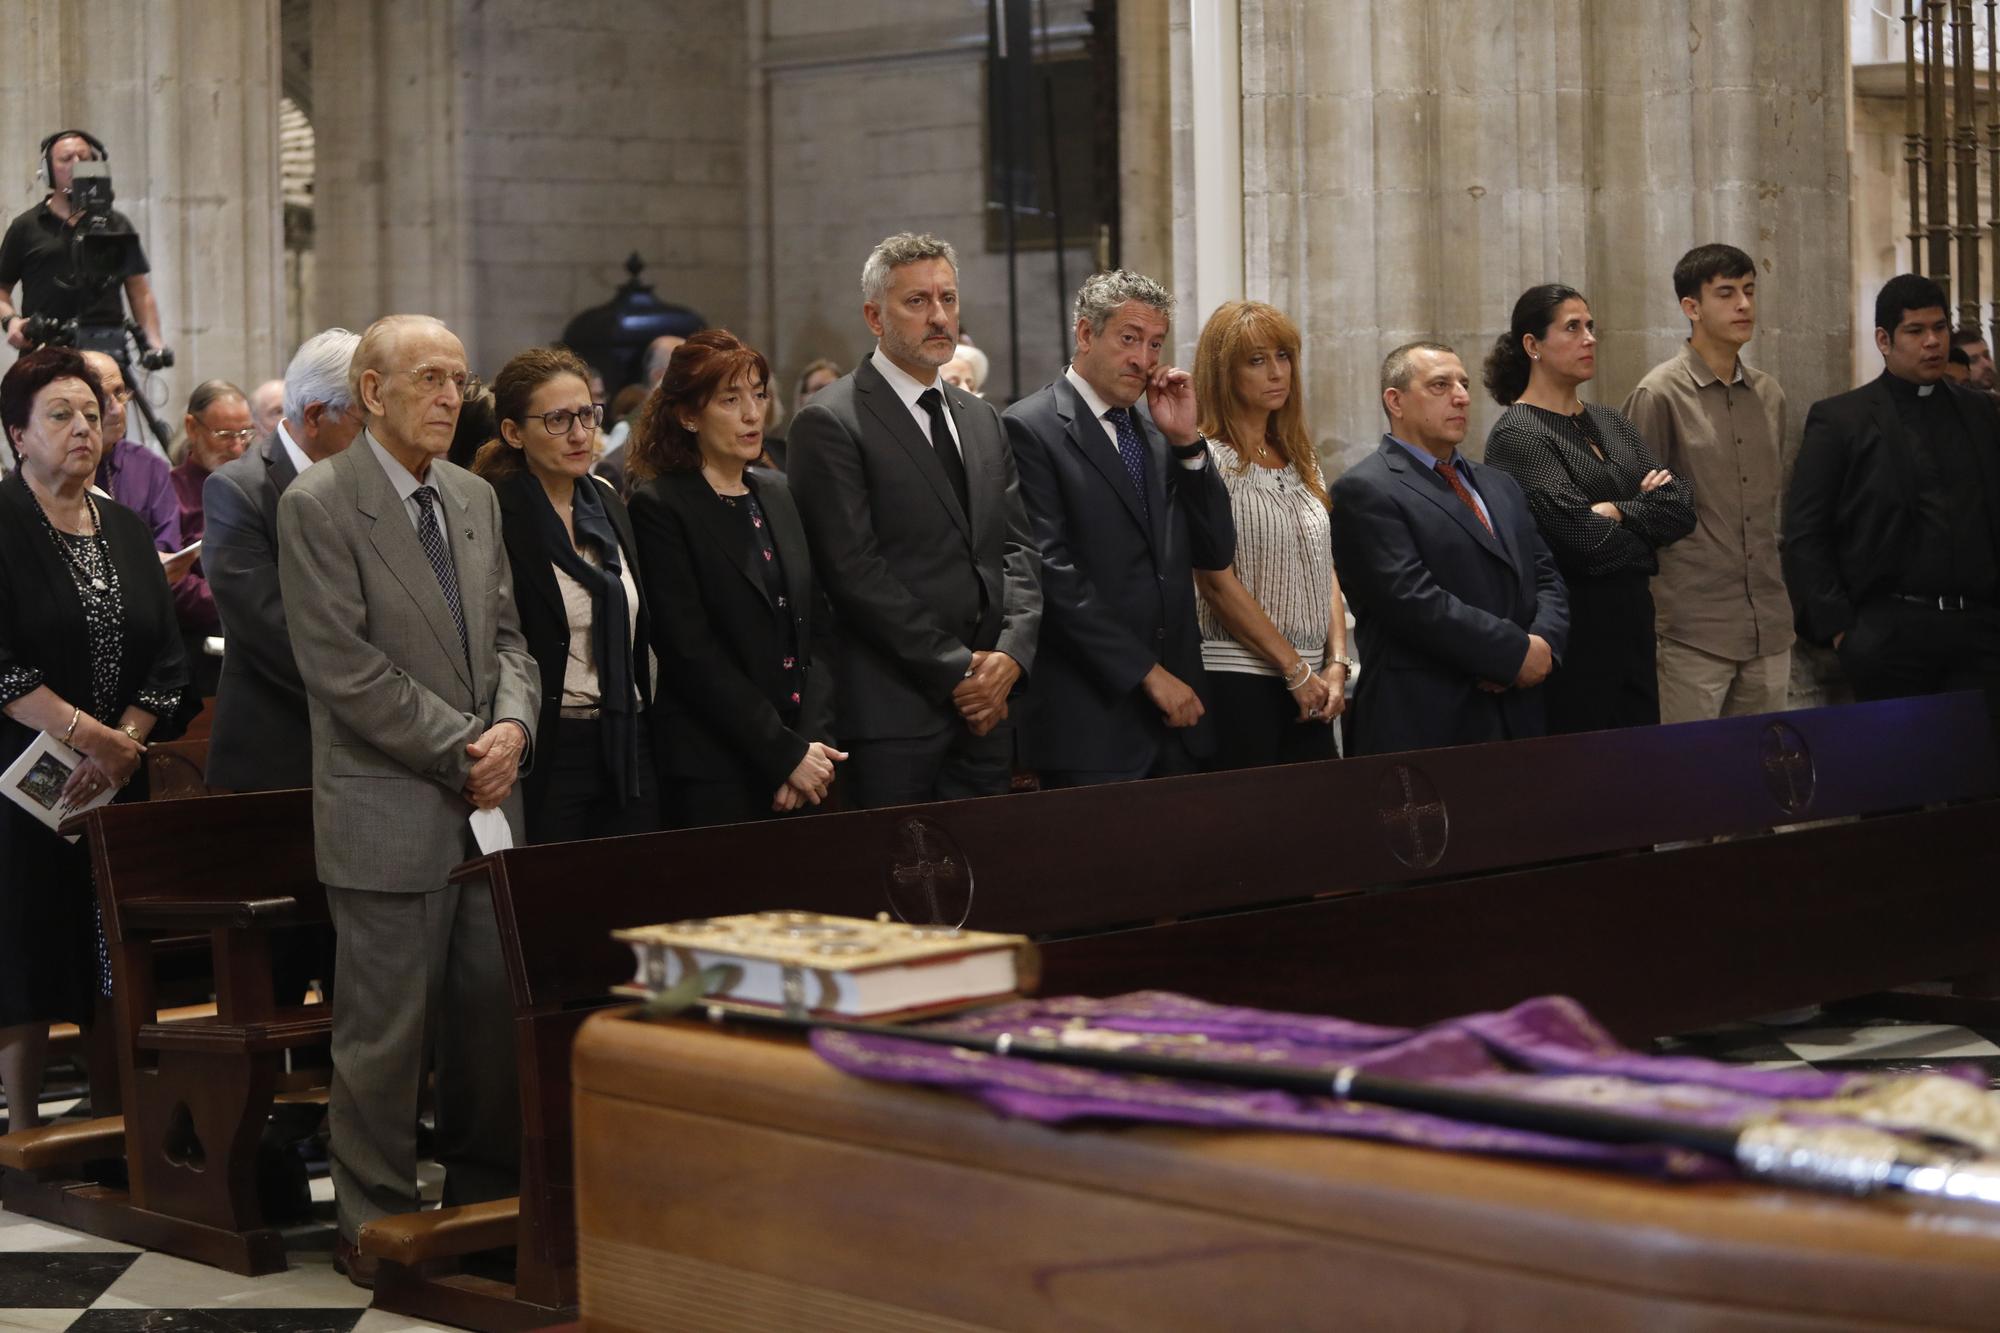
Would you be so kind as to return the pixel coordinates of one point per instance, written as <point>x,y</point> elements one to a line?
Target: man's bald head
<point>408,378</point>
<point>267,404</point>
<point>658,353</point>
<point>112,380</point>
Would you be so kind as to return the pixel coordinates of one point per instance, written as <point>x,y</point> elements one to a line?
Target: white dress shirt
<point>300,462</point>
<point>407,487</point>
<point>1098,407</point>
<point>909,389</point>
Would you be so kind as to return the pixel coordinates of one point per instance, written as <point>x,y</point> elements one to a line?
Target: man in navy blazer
<point>1125,507</point>
<point>1459,612</point>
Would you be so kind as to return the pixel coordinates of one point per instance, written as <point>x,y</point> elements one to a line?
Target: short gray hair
<point>1397,367</point>
<point>318,373</point>
<point>1104,292</point>
<point>905,247</point>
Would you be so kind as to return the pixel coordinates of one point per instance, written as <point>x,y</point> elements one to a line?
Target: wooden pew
<point>733,1182</point>
<point>197,1091</point>
<point>1292,886</point>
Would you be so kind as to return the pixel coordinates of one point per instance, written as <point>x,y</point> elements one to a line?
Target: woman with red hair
<point>743,636</point>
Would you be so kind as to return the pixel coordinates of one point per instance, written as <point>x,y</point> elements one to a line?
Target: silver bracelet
<point>1305,674</point>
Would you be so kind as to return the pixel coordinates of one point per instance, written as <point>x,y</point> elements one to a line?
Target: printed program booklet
<point>35,781</point>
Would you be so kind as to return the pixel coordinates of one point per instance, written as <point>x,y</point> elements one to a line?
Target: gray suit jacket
<point>262,740</point>
<point>393,701</point>
<point>916,583</point>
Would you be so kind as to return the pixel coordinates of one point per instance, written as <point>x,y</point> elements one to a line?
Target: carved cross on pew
<point>1413,816</point>
<point>1788,768</point>
<point>927,860</point>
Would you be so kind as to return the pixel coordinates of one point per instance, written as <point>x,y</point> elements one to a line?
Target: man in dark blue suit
<point>1125,506</point>
<point>1458,608</point>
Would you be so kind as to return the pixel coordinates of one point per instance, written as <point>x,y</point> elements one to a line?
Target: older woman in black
<point>1602,502</point>
<point>746,695</point>
<point>90,654</point>
<point>582,603</point>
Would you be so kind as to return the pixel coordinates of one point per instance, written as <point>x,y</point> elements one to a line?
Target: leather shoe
<point>358,1267</point>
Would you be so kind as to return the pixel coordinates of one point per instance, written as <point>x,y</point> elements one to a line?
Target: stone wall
<point>876,115</point>
<point>1409,170</point>
<point>494,161</point>
<point>184,93</point>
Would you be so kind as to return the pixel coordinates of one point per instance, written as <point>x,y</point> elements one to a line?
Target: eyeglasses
<point>432,380</point>
<point>243,436</point>
<point>559,421</point>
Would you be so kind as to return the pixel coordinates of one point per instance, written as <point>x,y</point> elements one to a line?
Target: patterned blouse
<point>1284,559</point>
<point>757,532</point>
<point>1567,464</point>
<point>98,587</point>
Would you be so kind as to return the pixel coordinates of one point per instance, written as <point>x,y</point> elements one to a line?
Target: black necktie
<point>954,467</point>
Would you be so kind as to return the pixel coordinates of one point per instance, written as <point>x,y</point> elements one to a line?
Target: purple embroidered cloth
<point>1546,1047</point>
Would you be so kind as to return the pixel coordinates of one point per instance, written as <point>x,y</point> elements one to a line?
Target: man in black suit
<point>1892,521</point>
<point>1458,609</point>
<point>914,516</point>
<point>1125,506</point>
<point>262,740</point>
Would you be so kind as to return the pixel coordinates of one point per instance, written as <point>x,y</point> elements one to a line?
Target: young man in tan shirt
<point>1724,620</point>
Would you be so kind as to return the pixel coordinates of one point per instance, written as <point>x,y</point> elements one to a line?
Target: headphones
<point>48,168</point>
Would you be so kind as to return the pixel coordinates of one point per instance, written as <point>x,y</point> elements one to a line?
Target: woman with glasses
<point>218,430</point>
<point>746,686</point>
<point>90,656</point>
<point>583,611</point>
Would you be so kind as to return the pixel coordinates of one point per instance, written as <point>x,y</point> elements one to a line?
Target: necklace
<point>94,576</point>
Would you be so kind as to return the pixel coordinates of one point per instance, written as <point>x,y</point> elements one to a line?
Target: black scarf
<point>610,621</point>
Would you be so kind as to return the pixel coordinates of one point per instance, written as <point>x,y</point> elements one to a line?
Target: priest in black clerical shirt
<point>1892,519</point>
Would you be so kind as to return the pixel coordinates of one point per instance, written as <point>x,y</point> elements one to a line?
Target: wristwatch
<point>132,729</point>
<point>1348,662</point>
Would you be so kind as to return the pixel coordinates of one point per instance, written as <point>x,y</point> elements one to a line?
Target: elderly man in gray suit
<point>422,695</point>
<point>914,514</point>
<point>262,739</point>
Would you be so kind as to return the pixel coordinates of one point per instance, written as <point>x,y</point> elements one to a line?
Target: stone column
<point>1410,169</point>
<point>184,94</point>
<point>389,191</point>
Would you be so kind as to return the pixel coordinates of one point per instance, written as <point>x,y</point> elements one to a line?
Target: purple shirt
<point>140,479</point>
<point>193,602</point>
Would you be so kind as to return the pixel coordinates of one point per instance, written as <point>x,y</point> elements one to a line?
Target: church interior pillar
<point>184,94</point>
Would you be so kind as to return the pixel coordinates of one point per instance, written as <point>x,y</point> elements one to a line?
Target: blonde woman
<point>1273,628</point>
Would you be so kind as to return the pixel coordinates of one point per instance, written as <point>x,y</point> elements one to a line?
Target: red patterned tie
<point>1449,467</point>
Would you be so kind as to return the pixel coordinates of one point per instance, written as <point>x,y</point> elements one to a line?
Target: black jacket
<point>1851,510</point>
<point>543,622</point>
<point>262,736</point>
<point>720,639</point>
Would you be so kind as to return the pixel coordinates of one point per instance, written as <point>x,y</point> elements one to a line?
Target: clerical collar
<point>1907,389</point>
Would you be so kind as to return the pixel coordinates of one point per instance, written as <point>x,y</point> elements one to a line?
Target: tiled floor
<point>55,1279</point>
<point>52,1278</point>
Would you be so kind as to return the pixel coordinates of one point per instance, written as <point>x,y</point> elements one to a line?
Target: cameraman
<point>37,253</point>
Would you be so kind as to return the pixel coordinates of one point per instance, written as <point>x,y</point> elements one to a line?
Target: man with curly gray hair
<point>1125,506</point>
<point>910,502</point>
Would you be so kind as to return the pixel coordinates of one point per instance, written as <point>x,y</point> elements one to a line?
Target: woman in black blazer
<point>746,694</point>
<point>90,654</point>
<point>1602,502</point>
<point>582,604</point>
